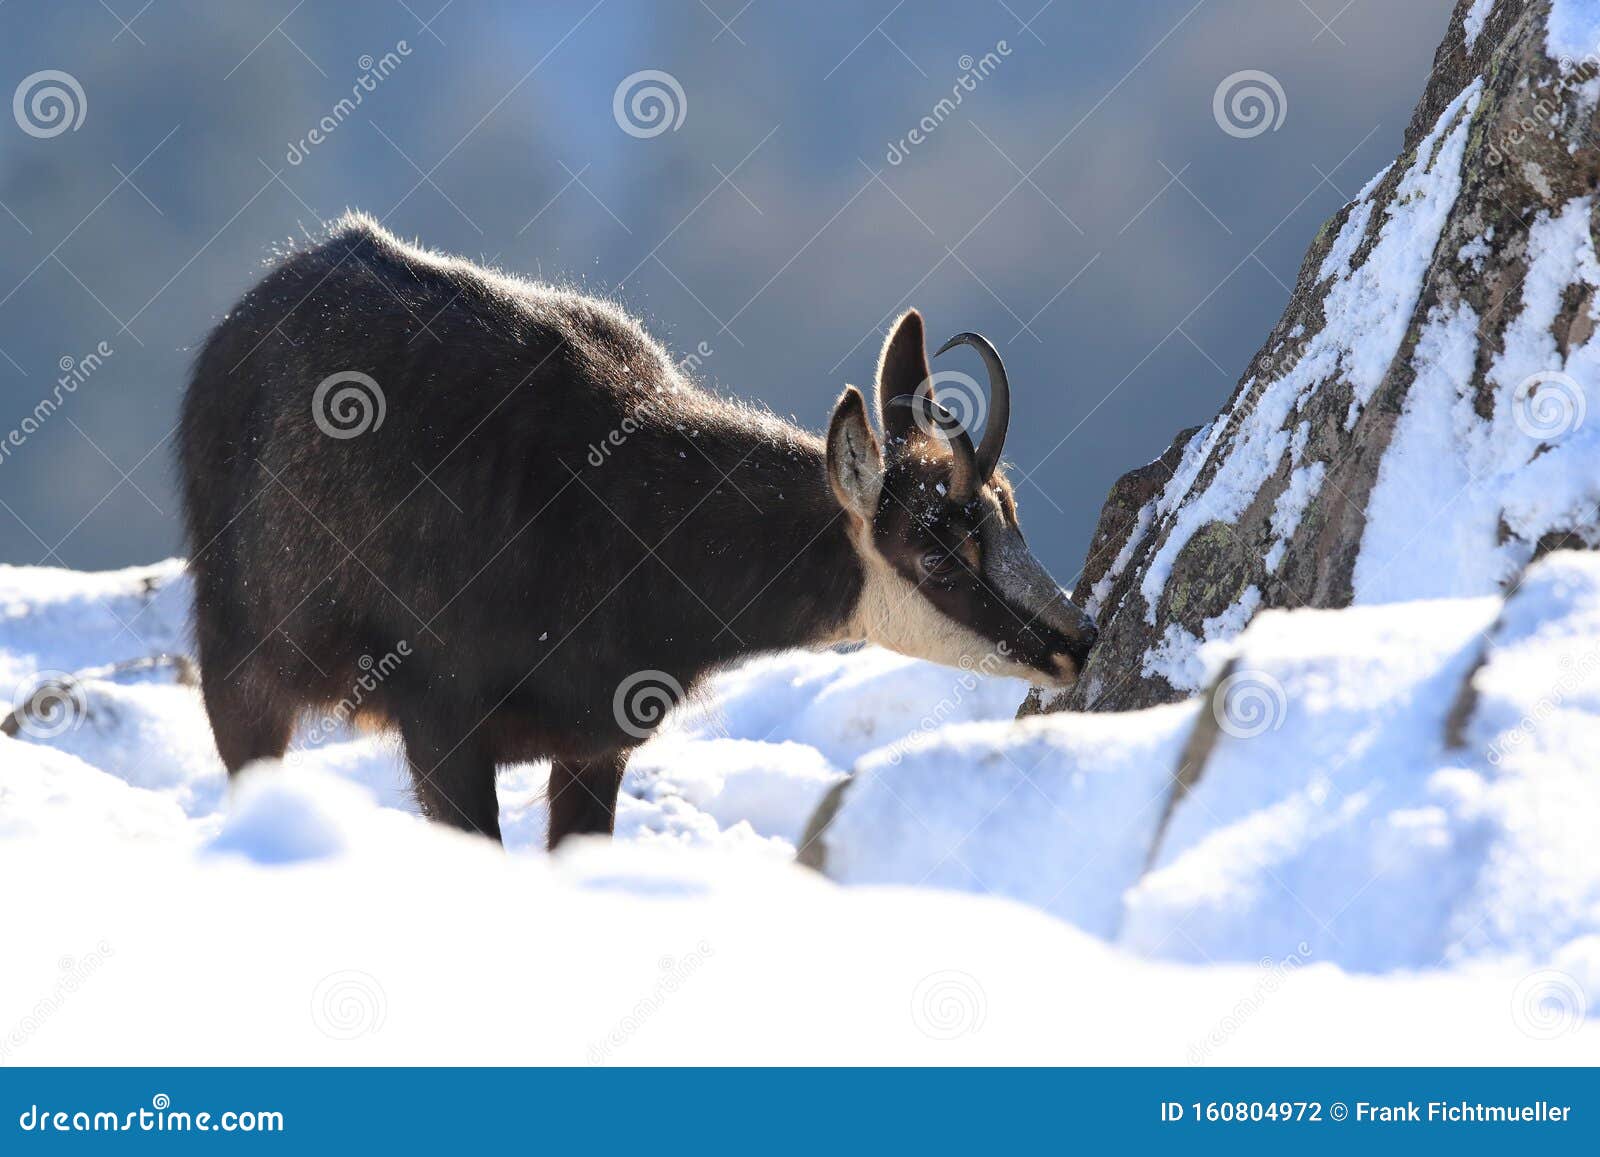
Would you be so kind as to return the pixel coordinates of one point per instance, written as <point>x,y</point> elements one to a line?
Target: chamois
<point>550,532</point>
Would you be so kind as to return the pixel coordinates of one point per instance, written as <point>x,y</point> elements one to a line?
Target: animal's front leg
<point>452,773</point>
<point>583,795</point>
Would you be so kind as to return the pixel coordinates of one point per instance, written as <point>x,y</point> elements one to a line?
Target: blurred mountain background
<point>1084,205</point>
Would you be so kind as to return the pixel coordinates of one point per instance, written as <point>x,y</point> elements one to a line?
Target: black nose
<point>1088,635</point>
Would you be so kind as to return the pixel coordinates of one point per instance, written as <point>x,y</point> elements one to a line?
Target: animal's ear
<point>902,367</point>
<point>855,464</point>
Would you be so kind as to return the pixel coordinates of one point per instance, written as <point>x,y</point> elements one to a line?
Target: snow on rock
<point>1472,22</point>
<point>1572,34</point>
<point>1317,817</point>
<point>1367,308</point>
<point>1529,766</point>
<point>1342,817</point>
<point>1421,423</point>
<point>1452,478</point>
<point>1056,811</point>
<point>1402,786</point>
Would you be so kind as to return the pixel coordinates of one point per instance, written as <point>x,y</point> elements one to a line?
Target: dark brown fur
<point>548,509</point>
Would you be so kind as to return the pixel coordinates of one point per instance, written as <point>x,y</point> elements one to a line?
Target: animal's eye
<point>940,563</point>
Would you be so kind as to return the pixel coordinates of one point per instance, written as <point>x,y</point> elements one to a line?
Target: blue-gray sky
<point>1083,206</point>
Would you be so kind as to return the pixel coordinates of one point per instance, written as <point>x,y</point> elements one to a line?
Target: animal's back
<point>374,429</point>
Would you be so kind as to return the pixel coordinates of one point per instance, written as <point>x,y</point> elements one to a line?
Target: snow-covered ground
<point>1298,868</point>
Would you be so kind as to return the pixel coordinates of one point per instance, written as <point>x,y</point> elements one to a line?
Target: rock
<point>1414,426</point>
<point>1131,499</point>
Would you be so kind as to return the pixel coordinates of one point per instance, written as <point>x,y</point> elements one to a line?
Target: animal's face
<point>948,574</point>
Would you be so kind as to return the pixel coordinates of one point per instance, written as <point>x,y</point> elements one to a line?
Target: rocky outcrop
<point>1424,420</point>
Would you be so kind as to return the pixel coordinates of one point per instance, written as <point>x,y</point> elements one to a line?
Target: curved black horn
<point>994,427</point>
<point>932,417</point>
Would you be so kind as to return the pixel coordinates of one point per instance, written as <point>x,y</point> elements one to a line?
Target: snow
<point>1472,23</point>
<point>1180,656</point>
<point>1367,308</point>
<point>1055,811</point>
<point>1290,506</point>
<point>1278,841</point>
<point>1357,805</point>
<point>1573,32</point>
<point>1451,478</point>
<point>421,948</point>
<point>996,891</point>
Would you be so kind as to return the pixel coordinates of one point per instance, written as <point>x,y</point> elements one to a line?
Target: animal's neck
<point>776,540</point>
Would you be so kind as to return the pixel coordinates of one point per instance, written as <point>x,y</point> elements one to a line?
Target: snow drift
<point>1185,884</point>
<point>1368,838</point>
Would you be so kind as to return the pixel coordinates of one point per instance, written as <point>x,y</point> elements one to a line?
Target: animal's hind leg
<point>250,717</point>
<point>452,773</point>
<point>583,796</point>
